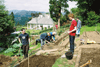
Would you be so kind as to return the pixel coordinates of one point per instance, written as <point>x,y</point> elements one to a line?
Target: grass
<point>62,62</point>
<point>37,46</point>
<point>92,28</point>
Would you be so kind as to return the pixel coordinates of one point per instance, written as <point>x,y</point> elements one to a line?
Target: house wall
<point>38,27</point>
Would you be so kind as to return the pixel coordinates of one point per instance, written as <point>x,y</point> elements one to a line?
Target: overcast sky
<point>32,5</point>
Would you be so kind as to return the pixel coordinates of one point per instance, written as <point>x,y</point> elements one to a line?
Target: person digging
<point>25,40</point>
<point>72,33</point>
<point>44,37</point>
<point>52,34</point>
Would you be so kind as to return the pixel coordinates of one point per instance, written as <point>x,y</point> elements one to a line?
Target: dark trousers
<point>38,41</point>
<point>71,40</point>
<point>25,50</point>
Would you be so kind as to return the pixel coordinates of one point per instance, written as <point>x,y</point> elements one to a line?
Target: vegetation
<point>62,62</point>
<point>87,12</point>
<point>55,9</point>
<point>6,25</point>
<point>92,28</point>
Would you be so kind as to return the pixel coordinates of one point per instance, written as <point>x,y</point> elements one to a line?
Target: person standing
<point>72,32</point>
<point>25,40</point>
<point>44,37</point>
<point>78,27</point>
<point>56,26</point>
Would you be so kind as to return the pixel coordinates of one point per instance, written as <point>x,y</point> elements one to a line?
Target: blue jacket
<point>44,36</point>
<point>52,35</point>
<point>79,24</point>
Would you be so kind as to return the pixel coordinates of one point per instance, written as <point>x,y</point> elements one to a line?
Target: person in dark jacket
<point>38,41</point>
<point>44,37</point>
<point>25,40</point>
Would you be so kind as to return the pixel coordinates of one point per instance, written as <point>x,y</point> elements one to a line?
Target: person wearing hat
<point>52,34</point>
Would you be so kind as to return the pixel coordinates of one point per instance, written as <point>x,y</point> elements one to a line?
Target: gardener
<point>52,34</point>
<point>78,27</point>
<point>72,32</point>
<point>25,40</point>
<point>44,37</point>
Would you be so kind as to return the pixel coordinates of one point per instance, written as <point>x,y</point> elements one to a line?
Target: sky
<point>32,5</point>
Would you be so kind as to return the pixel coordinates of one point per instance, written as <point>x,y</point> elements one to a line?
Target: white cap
<point>54,33</point>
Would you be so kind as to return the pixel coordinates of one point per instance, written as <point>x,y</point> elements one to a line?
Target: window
<point>48,26</point>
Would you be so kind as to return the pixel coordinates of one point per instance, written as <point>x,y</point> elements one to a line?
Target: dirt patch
<point>4,61</point>
<point>91,35</point>
<point>90,53</point>
<point>39,61</point>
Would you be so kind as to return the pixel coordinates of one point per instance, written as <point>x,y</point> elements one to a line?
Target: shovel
<point>87,63</point>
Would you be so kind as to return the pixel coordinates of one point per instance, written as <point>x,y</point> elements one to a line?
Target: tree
<point>18,24</point>
<point>55,9</point>
<point>5,25</point>
<point>85,7</point>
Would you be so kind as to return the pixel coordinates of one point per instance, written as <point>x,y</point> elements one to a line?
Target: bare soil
<point>90,53</point>
<point>4,61</point>
<point>39,61</point>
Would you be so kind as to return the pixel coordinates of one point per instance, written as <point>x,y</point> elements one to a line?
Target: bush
<point>14,50</point>
<point>42,31</point>
<point>92,18</point>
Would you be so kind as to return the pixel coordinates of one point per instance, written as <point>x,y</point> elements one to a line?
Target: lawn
<point>92,28</point>
<point>62,62</point>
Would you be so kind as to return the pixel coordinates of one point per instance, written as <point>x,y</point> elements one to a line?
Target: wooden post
<point>28,60</point>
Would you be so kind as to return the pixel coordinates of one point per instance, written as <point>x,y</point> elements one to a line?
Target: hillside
<point>22,16</point>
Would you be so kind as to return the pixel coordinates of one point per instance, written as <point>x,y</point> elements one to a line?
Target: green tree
<point>18,24</point>
<point>5,25</point>
<point>85,7</point>
<point>55,9</point>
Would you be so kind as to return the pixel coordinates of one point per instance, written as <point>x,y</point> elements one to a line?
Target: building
<point>40,23</point>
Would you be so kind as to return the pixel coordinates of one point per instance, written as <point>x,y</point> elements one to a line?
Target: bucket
<point>69,55</point>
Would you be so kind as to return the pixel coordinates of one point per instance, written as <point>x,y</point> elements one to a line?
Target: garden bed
<point>89,52</point>
<point>39,61</point>
<point>5,61</point>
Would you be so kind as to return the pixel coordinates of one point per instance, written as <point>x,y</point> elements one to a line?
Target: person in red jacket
<point>72,31</point>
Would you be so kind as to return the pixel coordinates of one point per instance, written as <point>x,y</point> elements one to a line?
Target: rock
<point>63,56</point>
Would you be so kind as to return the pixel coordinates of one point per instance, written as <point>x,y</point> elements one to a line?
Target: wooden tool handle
<point>88,62</point>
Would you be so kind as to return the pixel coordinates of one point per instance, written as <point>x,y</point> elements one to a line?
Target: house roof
<point>41,20</point>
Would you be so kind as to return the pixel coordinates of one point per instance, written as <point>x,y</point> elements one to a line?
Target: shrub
<point>92,18</point>
<point>14,50</point>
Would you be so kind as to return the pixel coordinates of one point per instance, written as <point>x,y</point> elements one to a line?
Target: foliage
<point>92,28</point>
<point>84,9</point>
<point>63,63</point>
<point>15,49</point>
<point>35,14</point>
<point>92,18</point>
<point>42,31</point>
<point>55,8</point>
<point>6,24</point>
